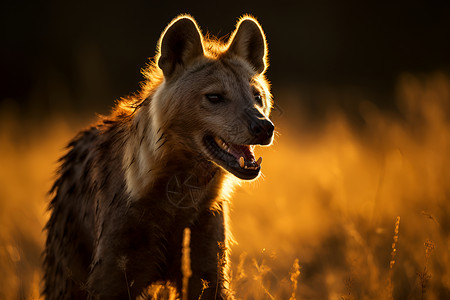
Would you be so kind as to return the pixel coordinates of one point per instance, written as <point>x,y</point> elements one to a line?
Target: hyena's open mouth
<point>236,159</point>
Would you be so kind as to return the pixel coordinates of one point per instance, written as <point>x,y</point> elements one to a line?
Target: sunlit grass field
<point>341,211</point>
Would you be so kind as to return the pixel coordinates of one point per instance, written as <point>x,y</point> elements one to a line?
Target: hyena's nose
<point>262,130</point>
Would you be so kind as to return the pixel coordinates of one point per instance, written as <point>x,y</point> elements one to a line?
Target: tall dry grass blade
<point>240,273</point>
<point>262,269</point>
<point>392,261</point>
<point>425,276</point>
<point>295,273</point>
<point>186,262</point>
<point>348,287</point>
<point>122,264</point>
<point>205,285</point>
<point>222,261</point>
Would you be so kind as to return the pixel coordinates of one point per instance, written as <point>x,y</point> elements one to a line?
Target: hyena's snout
<point>260,127</point>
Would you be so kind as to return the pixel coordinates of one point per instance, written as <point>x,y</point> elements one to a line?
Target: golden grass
<point>392,261</point>
<point>329,198</point>
<point>295,273</point>
<point>186,262</point>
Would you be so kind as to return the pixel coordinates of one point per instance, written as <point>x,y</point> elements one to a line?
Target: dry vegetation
<point>321,223</point>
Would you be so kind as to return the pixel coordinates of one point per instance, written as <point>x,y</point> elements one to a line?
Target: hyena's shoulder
<point>91,172</point>
<point>92,159</point>
<point>76,164</point>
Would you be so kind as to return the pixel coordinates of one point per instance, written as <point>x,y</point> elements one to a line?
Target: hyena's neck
<point>151,157</point>
<point>142,156</point>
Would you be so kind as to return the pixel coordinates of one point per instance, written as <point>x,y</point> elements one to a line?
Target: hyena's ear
<point>180,45</point>
<point>249,42</point>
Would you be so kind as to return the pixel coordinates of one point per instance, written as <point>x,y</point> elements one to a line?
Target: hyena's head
<point>215,99</point>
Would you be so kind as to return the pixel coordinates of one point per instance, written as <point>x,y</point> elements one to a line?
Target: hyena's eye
<point>258,99</point>
<point>214,98</point>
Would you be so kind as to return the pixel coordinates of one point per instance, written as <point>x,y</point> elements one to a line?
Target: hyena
<point>162,161</point>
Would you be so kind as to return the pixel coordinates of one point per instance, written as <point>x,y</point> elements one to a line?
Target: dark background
<point>78,56</point>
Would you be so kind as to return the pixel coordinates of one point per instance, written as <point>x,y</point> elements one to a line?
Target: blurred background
<point>362,93</point>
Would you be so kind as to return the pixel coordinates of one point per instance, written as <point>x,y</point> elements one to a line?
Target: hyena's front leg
<point>209,258</point>
<point>107,281</point>
<point>125,263</point>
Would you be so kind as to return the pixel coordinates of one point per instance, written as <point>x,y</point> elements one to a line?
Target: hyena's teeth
<point>221,144</point>
<point>259,161</point>
<point>218,140</point>
<point>241,162</point>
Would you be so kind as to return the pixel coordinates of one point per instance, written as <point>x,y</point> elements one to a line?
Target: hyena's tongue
<point>245,156</point>
<point>242,153</point>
